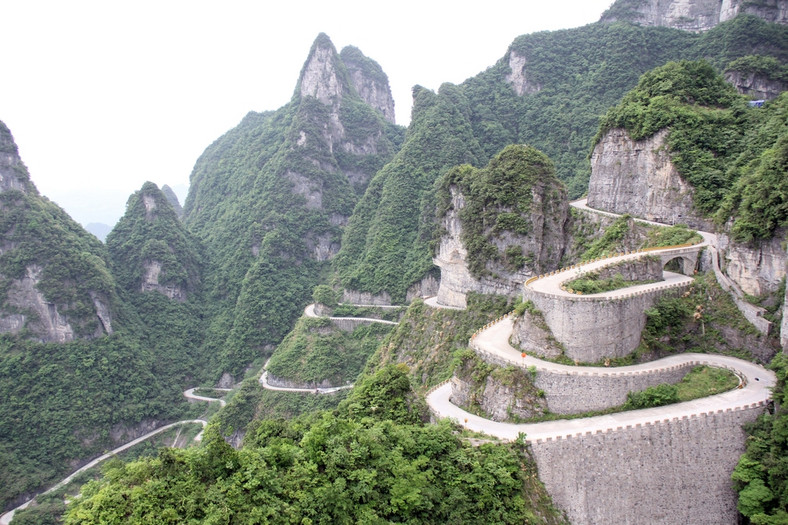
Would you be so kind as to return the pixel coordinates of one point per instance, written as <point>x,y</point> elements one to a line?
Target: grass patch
<point>591,284</point>
<point>704,381</point>
<point>701,381</point>
<point>210,392</point>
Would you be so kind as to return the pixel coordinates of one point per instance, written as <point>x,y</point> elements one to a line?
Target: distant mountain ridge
<point>693,15</point>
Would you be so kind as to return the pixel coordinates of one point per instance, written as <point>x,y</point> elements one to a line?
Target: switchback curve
<point>309,311</point>
<point>754,391</point>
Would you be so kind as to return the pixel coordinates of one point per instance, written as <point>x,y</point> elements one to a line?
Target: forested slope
<point>549,91</point>
<point>76,374</point>
<point>269,200</point>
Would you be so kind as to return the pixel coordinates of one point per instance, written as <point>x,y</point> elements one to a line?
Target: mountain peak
<point>323,76</point>
<point>13,173</point>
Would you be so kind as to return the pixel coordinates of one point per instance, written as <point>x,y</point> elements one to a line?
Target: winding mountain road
<point>756,383</point>
<point>309,311</point>
<point>6,518</point>
<point>754,389</point>
<point>189,394</point>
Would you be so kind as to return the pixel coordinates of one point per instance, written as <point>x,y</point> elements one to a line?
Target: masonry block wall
<point>593,329</point>
<point>582,390</point>
<point>575,393</point>
<point>669,472</point>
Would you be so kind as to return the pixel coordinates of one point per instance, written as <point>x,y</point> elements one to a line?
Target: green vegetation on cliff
<point>569,80</point>
<point>60,403</point>
<point>761,477</point>
<point>385,247</point>
<point>268,200</point>
<point>149,236</point>
<point>315,351</point>
<point>503,201</point>
<point>734,157</point>
<point>47,246</point>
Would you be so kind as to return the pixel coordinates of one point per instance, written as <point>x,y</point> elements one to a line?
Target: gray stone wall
<point>669,472</point>
<point>594,329</point>
<point>584,391</point>
<point>280,382</point>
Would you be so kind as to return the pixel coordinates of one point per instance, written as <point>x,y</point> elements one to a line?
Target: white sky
<point>103,95</point>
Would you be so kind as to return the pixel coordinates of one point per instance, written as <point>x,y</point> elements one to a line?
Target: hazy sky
<point>103,95</point>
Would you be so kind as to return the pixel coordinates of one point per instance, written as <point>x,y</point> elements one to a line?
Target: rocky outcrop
<point>500,393</point>
<point>173,200</point>
<point>516,230</point>
<point>784,325</point>
<point>756,85</point>
<point>639,178</point>
<point>337,85</point>
<point>531,334</point>
<point>757,268</point>
<point>371,83</point>
<point>693,15</point>
<point>150,282</point>
<point>518,77</point>
<point>320,77</point>
<point>39,316</point>
<point>13,173</point>
<point>452,259</point>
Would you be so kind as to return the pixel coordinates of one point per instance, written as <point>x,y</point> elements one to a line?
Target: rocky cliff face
<point>758,267</point>
<point>516,241</point>
<point>518,78</point>
<point>756,86</point>
<point>54,285</point>
<point>638,177</point>
<point>13,173</point>
<point>693,15</point>
<point>369,80</point>
<point>335,83</point>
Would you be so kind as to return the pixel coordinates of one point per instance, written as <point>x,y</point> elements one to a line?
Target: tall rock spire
<point>369,80</point>
<point>323,75</point>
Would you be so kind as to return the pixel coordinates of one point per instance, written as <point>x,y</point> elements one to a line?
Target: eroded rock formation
<point>694,15</point>
<point>638,177</point>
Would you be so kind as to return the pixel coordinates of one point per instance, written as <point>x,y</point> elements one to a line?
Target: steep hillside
<point>548,91</point>
<point>74,376</point>
<point>54,281</point>
<point>270,198</point>
<point>159,265</point>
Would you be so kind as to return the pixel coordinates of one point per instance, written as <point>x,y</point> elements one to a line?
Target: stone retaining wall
<point>280,382</point>
<point>592,329</point>
<point>581,391</point>
<point>673,471</point>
